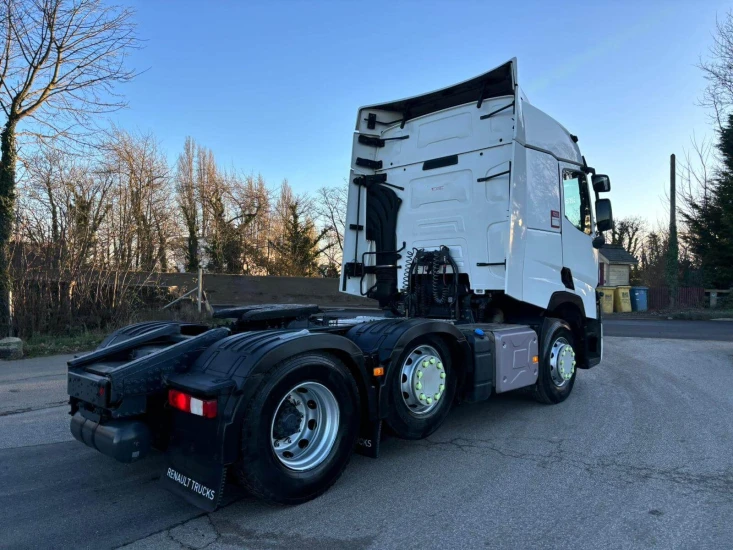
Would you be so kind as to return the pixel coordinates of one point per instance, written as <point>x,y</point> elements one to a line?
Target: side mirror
<point>601,183</point>
<point>604,216</point>
<point>598,241</point>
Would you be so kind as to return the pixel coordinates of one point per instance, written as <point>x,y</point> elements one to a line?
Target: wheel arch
<point>569,307</point>
<point>384,341</point>
<point>236,368</point>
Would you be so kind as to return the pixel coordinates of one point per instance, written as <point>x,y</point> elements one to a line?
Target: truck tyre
<point>557,371</point>
<point>299,429</point>
<point>421,388</point>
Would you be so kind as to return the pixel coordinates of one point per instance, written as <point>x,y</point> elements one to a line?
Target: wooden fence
<point>685,297</point>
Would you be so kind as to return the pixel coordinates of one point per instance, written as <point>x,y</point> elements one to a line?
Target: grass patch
<point>40,345</point>
<point>701,314</point>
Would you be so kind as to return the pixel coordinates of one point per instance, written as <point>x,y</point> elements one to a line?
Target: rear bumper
<point>123,440</point>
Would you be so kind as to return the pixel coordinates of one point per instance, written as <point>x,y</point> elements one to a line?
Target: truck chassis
<point>282,395</point>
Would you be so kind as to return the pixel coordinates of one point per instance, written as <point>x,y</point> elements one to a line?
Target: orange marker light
<point>535,359</point>
<point>378,371</point>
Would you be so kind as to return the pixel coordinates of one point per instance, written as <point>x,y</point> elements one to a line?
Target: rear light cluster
<point>186,403</point>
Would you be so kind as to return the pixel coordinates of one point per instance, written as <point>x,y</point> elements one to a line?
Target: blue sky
<point>273,87</point>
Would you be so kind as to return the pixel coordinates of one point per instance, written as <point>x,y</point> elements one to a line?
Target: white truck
<point>469,220</point>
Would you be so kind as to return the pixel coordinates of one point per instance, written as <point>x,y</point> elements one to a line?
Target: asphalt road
<point>638,457</point>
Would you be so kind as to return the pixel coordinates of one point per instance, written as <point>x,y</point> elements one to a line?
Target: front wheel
<point>299,429</point>
<point>557,371</point>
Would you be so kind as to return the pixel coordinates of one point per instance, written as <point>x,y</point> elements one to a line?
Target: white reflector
<point>197,406</point>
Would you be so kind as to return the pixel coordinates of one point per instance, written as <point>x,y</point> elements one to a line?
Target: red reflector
<point>179,400</point>
<point>210,409</point>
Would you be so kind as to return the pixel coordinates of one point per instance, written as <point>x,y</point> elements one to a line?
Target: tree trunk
<point>7,211</point>
<point>192,254</point>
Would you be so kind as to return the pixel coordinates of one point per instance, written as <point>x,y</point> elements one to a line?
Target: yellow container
<point>607,298</point>
<point>621,299</point>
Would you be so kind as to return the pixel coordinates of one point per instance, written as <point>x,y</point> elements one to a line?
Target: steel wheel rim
<point>311,442</point>
<point>422,380</point>
<point>562,362</point>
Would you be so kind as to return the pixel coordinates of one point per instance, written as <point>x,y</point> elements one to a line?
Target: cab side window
<point>576,200</point>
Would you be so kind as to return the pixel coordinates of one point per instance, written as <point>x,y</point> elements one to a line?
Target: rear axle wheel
<point>305,426</point>
<point>422,386</point>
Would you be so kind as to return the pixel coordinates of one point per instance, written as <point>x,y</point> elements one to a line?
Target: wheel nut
<point>429,400</point>
<point>432,360</point>
<point>442,375</point>
<point>441,387</point>
<point>424,363</point>
<point>440,365</point>
<point>419,374</point>
<point>422,397</point>
<point>418,386</point>
<point>437,396</point>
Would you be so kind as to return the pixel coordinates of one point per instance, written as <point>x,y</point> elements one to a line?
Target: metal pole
<point>673,192</point>
<point>201,288</point>
<point>673,249</point>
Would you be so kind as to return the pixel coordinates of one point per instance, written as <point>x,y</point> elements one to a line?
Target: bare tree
<point>629,233</point>
<point>330,210</point>
<point>142,200</point>
<point>696,176</point>
<point>187,203</point>
<point>254,197</point>
<point>718,71</point>
<point>59,63</point>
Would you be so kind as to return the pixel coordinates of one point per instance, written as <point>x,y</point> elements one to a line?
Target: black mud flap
<point>200,482</point>
<point>369,437</point>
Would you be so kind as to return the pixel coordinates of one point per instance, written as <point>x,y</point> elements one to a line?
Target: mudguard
<point>111,379</point>
<point>384,341</point>
<point>232,369</point>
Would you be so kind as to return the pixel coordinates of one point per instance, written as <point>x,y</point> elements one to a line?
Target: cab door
<point>580,259</point>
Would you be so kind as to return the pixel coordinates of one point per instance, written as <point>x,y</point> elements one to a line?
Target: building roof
<point>617,254</point>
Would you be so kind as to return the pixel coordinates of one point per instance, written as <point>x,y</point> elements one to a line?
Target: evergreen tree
<point>299,249</point>
<point>710,220</point>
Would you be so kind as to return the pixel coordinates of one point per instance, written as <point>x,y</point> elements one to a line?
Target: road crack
<point>717,483</point>
<point>52,405</point>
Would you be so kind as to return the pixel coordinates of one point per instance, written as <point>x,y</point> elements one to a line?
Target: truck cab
<point>478,172</point>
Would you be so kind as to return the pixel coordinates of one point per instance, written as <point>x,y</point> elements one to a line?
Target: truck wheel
<point>557,366</point>
<point>299,429</point>
<point>422,386</point>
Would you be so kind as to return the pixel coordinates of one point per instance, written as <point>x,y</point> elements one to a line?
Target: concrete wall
<point>242,290</point>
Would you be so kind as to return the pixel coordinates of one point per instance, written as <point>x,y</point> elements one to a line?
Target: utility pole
<point>673,249</point>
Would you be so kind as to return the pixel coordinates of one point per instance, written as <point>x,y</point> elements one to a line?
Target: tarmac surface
<point>639,456</point>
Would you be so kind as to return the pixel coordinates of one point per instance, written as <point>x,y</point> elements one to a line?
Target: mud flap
<point>369,437</point>
<point>200,482</point>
